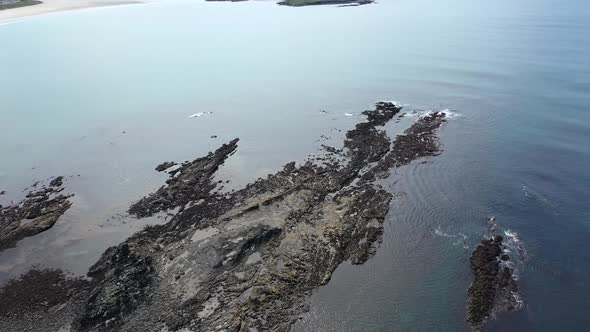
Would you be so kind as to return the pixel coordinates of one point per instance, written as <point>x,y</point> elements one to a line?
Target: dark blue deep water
<point>514,74</point>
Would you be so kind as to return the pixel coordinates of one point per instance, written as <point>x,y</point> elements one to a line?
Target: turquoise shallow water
<point>517,73</point>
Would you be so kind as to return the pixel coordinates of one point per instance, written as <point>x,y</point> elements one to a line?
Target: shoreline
<point>35,7</point>
<point>53,6</point>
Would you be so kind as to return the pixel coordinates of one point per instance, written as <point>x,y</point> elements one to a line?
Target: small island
<point>301,3</point>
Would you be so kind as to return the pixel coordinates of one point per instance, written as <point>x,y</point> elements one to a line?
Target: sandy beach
<point>49,6</point>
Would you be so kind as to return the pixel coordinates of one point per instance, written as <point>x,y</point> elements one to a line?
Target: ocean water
<point>103,95</point>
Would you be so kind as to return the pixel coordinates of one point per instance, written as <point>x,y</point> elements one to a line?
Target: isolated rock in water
<point>37,212</point>
<point>494,288</point>
<point>248,260</point>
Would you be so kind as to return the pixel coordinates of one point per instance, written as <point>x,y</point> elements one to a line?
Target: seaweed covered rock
<point>41,300</point>
<point>37,290</point>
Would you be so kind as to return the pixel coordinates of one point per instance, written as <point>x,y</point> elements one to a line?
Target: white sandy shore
<point>49,6</point>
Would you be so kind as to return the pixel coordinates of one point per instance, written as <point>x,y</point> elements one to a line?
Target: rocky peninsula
<point>244,260</point>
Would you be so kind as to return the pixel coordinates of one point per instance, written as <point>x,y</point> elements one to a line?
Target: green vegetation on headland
<point>300,3</point>
<point>18,3</point>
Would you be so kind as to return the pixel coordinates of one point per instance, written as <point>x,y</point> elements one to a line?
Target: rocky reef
<point>165,165</point>
<point>494,288</point>
<point>247,260</point>
<point>189,183</point>
<point>37,212</point>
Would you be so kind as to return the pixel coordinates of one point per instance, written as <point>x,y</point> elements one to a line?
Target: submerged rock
<point>494,288</point>
<point>37,212</point>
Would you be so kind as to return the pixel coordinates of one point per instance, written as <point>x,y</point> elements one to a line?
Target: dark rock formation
<point>122,276</point>
<point>249,259</point>
<point>417,141</point>
<point>494,288</point>
<point>301,3</point>
<point>57,181</point>
<point>17,3</point>
<point>37,212</point>
<point>37,290</point>
<point>165,165</point>
<point>41,300</point>
<point>190,182</point>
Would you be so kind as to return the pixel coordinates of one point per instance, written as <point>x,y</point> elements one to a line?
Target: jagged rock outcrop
<point>250,258</point>
<point>494,288</point>
<point>37,212</point>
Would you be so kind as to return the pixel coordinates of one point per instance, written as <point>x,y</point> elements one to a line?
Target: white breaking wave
<point>196,115</point>
<point>459,239</point>
<point>422,114</point>
<point>394,102</point>
<point>450,113</point>
<point>517,300</point>
<point>514,244</point>
<point>514,247</point>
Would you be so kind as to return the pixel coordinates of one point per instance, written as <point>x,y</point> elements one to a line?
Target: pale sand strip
<point>49,6</point>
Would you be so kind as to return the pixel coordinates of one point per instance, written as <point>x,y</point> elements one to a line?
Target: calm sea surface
<point>103,95</point>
